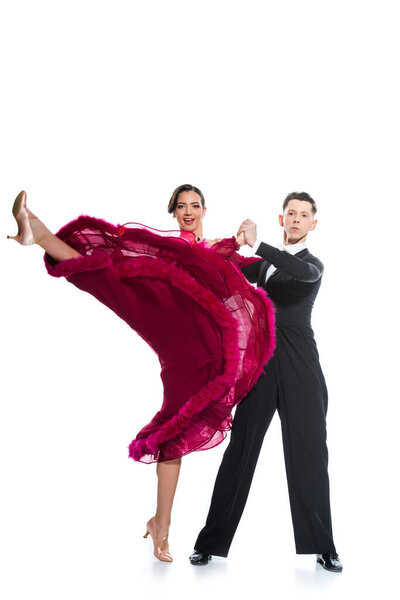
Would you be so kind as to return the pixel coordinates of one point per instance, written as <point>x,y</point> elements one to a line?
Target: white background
<point>105,108</point>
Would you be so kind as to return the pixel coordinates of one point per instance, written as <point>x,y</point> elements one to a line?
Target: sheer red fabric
<point>211,330</point>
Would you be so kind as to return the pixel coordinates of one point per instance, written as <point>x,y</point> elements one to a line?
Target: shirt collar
<point>293,248</point>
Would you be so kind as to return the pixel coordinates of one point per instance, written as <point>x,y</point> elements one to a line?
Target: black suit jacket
<point>294,285</point>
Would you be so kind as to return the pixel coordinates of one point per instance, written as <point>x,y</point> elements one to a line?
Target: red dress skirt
<point>212,331</point>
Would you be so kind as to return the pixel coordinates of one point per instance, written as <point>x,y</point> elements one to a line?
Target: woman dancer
<point>212,331</point>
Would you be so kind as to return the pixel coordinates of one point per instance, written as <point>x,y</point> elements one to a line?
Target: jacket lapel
<point>265,265</point>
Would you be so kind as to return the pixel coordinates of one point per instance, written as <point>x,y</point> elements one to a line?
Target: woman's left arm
<point>228,248</point>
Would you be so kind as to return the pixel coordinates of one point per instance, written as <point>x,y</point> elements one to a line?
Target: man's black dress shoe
<point>330,562</point>
<point>199,558</point>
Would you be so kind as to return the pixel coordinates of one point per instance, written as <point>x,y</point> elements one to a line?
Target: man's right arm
<point>252,271</point>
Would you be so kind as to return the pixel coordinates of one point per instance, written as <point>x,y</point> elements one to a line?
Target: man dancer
<point>294,384</point>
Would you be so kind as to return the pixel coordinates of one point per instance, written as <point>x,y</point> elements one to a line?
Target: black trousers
<point>293,384</point>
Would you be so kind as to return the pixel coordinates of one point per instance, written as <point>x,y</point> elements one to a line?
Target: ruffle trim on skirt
<point>212,405</point>
<point>91,262</point>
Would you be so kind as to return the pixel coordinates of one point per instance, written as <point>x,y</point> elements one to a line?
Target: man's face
<point>297,221</point>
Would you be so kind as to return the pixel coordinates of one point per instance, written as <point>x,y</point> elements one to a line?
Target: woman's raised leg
<point>158,526</point>
<point>32,231</point>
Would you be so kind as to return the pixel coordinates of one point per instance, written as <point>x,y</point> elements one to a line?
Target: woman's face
<point>189,212</point>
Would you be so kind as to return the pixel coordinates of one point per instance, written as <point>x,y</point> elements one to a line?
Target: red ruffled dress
<point>212,331</point>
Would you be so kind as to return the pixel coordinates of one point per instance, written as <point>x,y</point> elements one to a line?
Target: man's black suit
<point>294,384</point>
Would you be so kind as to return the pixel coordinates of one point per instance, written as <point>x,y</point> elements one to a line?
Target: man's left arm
<point>309,270</point>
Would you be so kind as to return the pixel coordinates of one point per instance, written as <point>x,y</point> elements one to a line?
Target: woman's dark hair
<point>300,196</point>
<point>186,187</point>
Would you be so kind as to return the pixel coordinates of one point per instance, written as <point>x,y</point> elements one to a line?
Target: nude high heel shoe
<point>20,212</point>
<point>161,548</point>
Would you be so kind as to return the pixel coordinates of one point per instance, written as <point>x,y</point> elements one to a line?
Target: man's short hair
<point>300,196</point>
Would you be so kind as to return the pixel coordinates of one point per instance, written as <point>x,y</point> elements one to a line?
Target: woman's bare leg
<point>168,474</point>
<point>32,231</point>
<point>158,526</point>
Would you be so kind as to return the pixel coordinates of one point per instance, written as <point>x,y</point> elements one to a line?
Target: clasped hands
<point>247,233</point>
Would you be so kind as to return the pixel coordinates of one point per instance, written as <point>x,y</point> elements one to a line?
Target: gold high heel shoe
<point>21,215</point>
<point>161,548</point>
